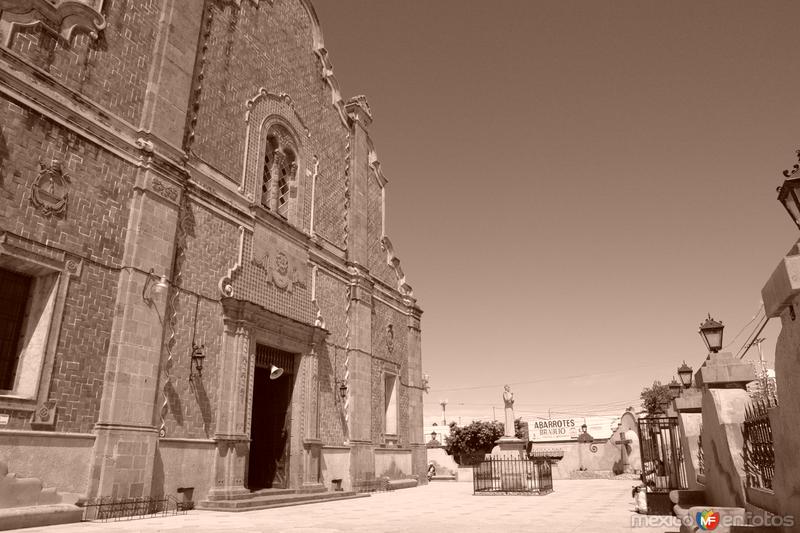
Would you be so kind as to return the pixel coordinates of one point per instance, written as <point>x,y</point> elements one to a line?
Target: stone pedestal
<point>512,477</point>
<point>509,447</point>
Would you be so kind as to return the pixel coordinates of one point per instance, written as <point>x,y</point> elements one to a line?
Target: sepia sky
<point>573,185</point>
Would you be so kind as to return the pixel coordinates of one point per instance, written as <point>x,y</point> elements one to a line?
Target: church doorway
<point>271,419</point>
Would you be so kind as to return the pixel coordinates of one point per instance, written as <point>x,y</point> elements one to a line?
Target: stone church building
<point>197,291</point>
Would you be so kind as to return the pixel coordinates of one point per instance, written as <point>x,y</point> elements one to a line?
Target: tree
<point>656,399</point>
<point>469,443</point>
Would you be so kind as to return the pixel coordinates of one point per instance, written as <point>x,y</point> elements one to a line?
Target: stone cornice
<point>280,226</point>
<point>241,312</point>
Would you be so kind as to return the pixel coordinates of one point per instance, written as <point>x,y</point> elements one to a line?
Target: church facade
<point>198,289</point>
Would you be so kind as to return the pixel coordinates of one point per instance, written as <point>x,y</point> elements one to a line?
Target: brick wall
<point>247,47</point>
<point>112,71</point>
<point>93,229</point>
<point>332,299</point>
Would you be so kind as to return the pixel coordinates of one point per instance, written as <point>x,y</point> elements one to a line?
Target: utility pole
<point>494,414</point>
<point>763,377</point>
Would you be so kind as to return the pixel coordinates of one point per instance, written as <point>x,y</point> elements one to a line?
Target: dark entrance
<point>269,430</point>
<point>662,461</point>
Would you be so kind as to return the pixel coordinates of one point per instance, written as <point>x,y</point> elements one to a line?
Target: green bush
<point>468,444</point>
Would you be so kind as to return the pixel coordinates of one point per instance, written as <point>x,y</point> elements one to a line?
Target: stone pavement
<point>590,506</point>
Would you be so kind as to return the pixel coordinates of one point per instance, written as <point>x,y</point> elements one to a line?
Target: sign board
<point>568,429</point>
<point>4,420</point>
<point>554,429</point>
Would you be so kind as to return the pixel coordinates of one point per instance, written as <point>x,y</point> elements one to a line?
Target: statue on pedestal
<point>508,399</point>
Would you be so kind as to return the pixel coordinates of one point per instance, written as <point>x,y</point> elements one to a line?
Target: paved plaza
<point>588,506</point>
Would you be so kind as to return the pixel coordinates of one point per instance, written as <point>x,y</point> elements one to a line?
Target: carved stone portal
<point>49,190</point>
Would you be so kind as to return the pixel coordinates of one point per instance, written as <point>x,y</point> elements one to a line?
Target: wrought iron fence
<point>662,457</point>
<point>758,450</point>
<point>509,475</point>
<point>115,509</point>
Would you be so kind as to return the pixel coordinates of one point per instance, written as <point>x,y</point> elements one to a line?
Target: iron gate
<point>663,469</point>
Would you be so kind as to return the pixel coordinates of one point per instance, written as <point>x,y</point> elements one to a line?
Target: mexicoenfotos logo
<point>707,520</point>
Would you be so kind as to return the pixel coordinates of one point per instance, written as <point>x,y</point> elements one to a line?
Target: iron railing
<point>662,458</point>
<point>498,475</point>
<point>758,450</point>
<point>115,509</point>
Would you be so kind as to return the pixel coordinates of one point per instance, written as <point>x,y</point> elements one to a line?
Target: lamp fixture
<point>341,386</point>
<point>788,193</point>
<point>711,331</point>
<point>674,388</point>
<point>685,375</point>
<point>275,372</point>
<point>149,288</point>
<point>198,356</point>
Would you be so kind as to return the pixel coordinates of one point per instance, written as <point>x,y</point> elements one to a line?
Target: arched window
<point>280,169</point>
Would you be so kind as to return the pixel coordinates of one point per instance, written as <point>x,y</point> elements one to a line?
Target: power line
<point>752,338</point>
<point>476,387</point>
<point>758,311</point>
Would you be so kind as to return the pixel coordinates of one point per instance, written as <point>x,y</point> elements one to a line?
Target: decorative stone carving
<point>226,282</point>
<point>165,191</point>
<point>280,97</point>
<point>280,270</point>
<point>62,17</point>
<point>73,267</point>
<point>390,338</point>
<point>394,262</point>
<point>333,84</point>
<point>283,267</point>
<point>45,414</point>
<point>49,190</point>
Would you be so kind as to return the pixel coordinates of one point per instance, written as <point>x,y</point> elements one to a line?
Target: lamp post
<point>674,388</point>
<point>711,331</point>
<point>685,375</point>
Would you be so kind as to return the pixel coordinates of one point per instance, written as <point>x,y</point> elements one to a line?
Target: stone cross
<point>623,444</point>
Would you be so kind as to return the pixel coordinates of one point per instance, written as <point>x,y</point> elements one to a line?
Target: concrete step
<point>269,501</point>
<point>264,492</point>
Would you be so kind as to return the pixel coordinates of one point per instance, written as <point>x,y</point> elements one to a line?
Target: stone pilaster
<point>125,446</point>
<point>416,439</point>
<point>360,371</point>
<point>357,246</point>
<point>231,436</point>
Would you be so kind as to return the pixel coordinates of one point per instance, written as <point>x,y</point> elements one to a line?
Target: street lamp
<point>711,331</point>
<point>685,375</point>
<point>787,193</point>
<point>674,388</point>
